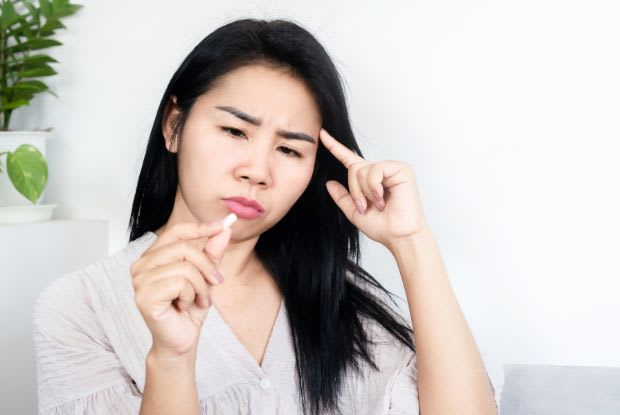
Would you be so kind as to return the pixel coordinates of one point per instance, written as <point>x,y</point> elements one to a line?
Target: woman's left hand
<point>387,191</point>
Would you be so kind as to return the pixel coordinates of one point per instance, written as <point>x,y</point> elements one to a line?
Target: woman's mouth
<point>241,210</point>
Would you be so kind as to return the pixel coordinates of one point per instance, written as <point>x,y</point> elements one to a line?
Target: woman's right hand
<point>172,282</point>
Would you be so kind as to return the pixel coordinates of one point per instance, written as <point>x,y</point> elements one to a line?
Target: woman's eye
<point>239,134</point>
<point>233,131</point>
<point>292,153</point>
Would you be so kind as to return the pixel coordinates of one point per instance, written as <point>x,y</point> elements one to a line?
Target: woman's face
<point>223,155</point>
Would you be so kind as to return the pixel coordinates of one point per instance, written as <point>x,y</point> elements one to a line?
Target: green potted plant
<point>26,28</point>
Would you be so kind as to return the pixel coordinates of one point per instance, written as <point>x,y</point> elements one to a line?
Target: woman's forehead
<point>265,95</point>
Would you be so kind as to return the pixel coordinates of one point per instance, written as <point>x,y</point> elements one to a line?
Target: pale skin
<point>253,161</point>
<point>174,278</point>
<point>451,375</point>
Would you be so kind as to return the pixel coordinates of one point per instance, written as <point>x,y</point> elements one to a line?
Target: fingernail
<point>360,207</point>
<point>376,195</point>
<point>218,276</point>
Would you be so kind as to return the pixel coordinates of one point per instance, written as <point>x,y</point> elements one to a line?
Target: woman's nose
<point>255,179</point>
<point>257,168</point>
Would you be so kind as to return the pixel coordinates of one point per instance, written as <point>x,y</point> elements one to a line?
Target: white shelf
<point>33,255</point>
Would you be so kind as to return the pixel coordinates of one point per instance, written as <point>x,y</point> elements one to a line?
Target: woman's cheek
<point>301,179</point>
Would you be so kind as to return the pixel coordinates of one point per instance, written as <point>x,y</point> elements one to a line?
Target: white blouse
<point>91,345</point>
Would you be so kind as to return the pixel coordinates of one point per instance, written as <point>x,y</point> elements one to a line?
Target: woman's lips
<point>244,212</point>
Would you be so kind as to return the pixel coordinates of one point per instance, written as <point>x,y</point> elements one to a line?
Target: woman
<point>273,314</point>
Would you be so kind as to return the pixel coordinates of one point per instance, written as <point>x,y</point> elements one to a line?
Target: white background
<point>507,110</point>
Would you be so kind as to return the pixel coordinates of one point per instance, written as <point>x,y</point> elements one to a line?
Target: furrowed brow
<point>290,135</point>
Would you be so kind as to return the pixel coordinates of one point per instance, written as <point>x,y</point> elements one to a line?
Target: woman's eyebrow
<point>257,121</point>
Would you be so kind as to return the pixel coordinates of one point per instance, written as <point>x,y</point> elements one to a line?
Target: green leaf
<point>53,24</point>
<point>27,170</point>
<point>42,70</point>
<point>39,59</point>
<point>40,43</point>
<point>49,91</point>
<point>9,16</point>
<point>26,90</point>
<point>22,30</point>
<point>34,85</point>
<point>15,104</point>
<point>20,95</point>
<point>59,4</point>
<point>26,66</point>
<point>11,74</point>
<point>46,9</point>
<point>35,13</point>
<point>68,10</point>
<point>33,44</point>
<point>22,92</point>
<point>41,86</point>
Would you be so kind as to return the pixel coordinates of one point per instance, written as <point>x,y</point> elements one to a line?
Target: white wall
<point>33,255</point>
<point>508,112</point>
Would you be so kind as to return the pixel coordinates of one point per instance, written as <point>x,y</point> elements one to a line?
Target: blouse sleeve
<point>404,392</point>
<point>77,369</point>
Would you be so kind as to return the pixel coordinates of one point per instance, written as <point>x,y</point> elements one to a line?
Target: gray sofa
<point>560,390</point>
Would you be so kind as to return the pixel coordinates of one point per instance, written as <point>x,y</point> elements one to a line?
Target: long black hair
<point>313,252</point>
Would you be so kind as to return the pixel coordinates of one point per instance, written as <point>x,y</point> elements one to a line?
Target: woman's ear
<point>171,114</point>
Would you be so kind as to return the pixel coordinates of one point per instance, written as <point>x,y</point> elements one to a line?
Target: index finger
<point>187,231</point>
<point>339,150</point>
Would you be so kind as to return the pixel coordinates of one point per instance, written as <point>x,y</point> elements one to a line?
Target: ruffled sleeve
<point>404,387</point>
<point>77,369</point>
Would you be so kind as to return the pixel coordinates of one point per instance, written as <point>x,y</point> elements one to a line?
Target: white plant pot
<point>14,207</point>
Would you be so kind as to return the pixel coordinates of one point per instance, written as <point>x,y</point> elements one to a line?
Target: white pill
<point>229,220</point>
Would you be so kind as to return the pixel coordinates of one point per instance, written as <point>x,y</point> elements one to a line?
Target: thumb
<point>216,245</point>
<point>342,198</point>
